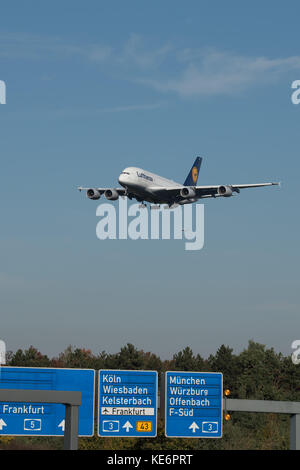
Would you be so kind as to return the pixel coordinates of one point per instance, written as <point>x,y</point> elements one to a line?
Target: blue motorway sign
<point>38,419</point>
<point>193,404</point>
<point>127,403</point>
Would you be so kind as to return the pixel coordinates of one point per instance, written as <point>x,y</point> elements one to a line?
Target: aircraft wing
<point>205,191</point>
<point>212,191</point>
<point>120,191</point>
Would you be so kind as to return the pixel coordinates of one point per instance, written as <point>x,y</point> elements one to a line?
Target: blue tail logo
<point>192,177</point>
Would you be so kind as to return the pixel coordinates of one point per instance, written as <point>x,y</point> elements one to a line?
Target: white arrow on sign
<point>2,423</point>
<point>127,425</point>
<point>62,425</point>
<point>194,426</point>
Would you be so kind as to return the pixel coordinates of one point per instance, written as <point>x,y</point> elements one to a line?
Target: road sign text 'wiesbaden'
<point>127,403</point>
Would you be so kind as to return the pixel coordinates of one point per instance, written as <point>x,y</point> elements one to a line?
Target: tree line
<point>255,373</point>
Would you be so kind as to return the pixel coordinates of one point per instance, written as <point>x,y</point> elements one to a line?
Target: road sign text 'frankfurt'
<point>127,403</point>
<point>38,419</point>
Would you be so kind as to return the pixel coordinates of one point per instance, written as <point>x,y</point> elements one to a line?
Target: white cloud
<point>133,52</point>
<point>98,53</point>
<point>33,47</point>
<point>186,72</point>
<point>215,73</point>
<point>81,112</point>
<point>136,53</point>
<point>133,107</point>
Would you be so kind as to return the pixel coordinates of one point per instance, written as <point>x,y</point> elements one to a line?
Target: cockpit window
<point>125,173</point>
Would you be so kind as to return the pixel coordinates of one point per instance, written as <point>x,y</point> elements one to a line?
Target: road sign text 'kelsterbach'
<point>127,403</point>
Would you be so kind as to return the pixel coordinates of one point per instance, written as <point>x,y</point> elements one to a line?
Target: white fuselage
<point>140,182</point>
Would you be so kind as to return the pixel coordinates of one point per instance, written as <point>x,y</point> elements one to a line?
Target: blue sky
<point>93,87</point>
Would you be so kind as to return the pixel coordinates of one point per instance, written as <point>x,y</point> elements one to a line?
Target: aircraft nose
<point>121,179</point>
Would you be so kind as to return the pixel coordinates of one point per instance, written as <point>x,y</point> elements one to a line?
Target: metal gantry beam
<point>71,400</point>
<point>262,406</point>
<point>267,406</point>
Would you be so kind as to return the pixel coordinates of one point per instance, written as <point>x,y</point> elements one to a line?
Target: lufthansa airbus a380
<point>145,186</point>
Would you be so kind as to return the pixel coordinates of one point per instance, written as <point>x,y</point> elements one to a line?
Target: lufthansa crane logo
<point>195,174</point>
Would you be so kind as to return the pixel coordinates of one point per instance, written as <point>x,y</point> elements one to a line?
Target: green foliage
<point>185,361</point>
<point>29,358</point>
<point>256,373</point>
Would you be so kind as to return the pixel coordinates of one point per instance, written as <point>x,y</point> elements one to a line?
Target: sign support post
<point>162,398</point>
<point>71,429</point>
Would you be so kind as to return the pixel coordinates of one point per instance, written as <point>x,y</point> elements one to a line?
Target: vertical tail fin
<point>192,177</point>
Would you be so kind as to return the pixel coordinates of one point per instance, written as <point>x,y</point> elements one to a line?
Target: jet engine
<point>111,194</point>
<point>225,191</point>
<point>93,194</point>
<point>187,192</point>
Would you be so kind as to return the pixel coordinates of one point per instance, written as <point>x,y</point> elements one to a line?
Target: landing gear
<point>172,205</point>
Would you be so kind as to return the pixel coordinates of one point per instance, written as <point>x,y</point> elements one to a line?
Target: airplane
<point>145,186</point>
